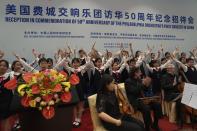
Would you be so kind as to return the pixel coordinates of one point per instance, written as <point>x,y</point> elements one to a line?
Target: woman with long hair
<point>108,108</point>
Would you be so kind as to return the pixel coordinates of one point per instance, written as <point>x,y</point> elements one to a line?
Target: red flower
<point>46,85</point>
<point>27,77</point>
<point>74,79</point>
<point>25,101</point>
<point>11,85</point>
<point>46,79</point>
<point>47,98</point>
<point>35,89</point>
<point>64,73</point>
<point>48,112</point>
<point>57,88</point>
<point>66,97</point>
<point>46,82</point>
<point>46,72</point>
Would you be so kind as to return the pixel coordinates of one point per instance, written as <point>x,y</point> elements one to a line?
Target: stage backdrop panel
<point>47,25</point>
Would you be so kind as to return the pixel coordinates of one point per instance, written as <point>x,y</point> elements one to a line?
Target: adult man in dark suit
<point>169,82</point>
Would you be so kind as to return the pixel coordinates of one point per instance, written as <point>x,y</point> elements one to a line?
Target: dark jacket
<point>107,102</point>
<point>170,90</point>
<point>191,75</point>
<point>134,89</point>
<point>5,99</point>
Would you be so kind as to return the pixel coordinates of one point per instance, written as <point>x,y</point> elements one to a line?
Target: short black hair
<point>133,71</point>
<point>42,60</point>
<point>153,62</point>
<point>24,59</point>
<point>105,80</point>
<point>97,59</point>
<point>132,60</point>
<point>75,60</point>
<point>166,53</point>
<point>50,60</point>
<point>6,62</point>
<point>138,51</point>
<point>183,53</point>
<point>162,59</point>
<point>189,59</point>
<point>81,51</point>
<point>180,59</point>
<point>116,60</point>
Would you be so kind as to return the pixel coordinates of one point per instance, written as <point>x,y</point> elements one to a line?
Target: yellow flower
<point>34,80</point>
<point>43,103</point>
<point>51,102</point>
<point>53,72</point>
<point>32,103</point>
<point>29,93</point>
<point>61,77</point>
<point>36,74</point>
<point>67,84</point>
<point>20,89</point>
<point>66,89</point>
<point>22,93</point>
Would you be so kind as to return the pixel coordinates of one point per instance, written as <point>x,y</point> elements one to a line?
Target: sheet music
<point>193,102</point>
<point>190,95</point>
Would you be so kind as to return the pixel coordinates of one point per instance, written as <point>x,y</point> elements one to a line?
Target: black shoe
<point>16,127</point>
<point>180,124</point>
<point>156,127</point>
<point>76,124</point>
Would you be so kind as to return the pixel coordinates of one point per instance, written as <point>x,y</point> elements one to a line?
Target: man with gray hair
<point>169,83</point>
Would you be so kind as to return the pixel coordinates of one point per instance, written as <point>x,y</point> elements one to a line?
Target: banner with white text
<point>48,25</point>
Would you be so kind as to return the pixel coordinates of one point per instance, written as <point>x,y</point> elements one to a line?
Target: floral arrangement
<point>43,90</point>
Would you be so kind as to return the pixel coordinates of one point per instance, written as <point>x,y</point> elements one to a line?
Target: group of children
<point>90,67</point>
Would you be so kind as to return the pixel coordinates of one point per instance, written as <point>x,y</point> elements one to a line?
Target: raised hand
<point>176,51</point>
<point>1,54</point>
<point>130,45</point>
<point>16,55</point>
<point>149,49</point>
<point>161,48</point>
<point>85,54</point>
<point>93,46</point>
<point>131,49</point>
<point>34,53</point>
<point>70,50</point>
<point>172,56</point>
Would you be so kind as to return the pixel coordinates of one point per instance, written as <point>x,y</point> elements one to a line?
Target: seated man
<point>169,82</point>
<point>134,87</point>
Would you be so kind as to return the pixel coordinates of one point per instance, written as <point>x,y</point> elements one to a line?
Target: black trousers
<point>128,124</point>
<point>146,111</point>
<point>179,106</point>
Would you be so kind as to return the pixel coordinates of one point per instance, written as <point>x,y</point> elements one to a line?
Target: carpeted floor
<point>163,124</point>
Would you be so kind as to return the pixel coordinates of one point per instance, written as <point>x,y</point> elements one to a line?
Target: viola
<point>124,105</point>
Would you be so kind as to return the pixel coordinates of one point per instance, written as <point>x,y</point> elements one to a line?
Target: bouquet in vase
<point>44,90</point>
